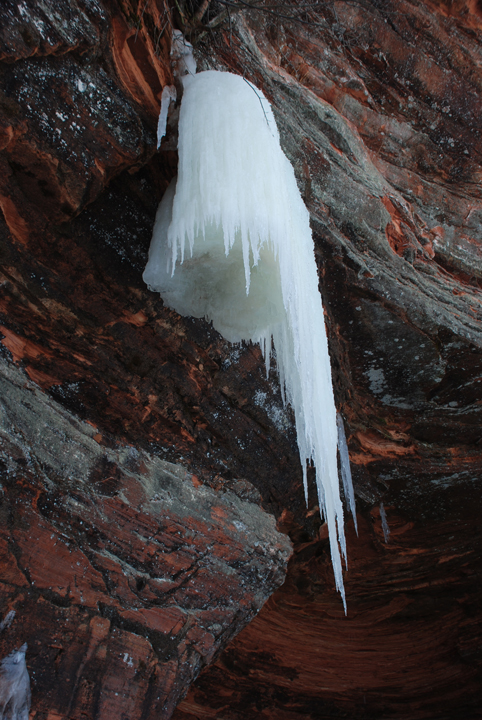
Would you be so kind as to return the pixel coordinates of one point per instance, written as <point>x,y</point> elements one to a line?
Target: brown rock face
<point>126,574</point>
<point>143,459</point>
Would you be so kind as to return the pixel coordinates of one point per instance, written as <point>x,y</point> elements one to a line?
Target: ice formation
<point>345,469</point>
<point>168,95</point>
<point>7,620</point>
<point>14,686</point>
<point>385,528</point>
<point>232,243</point>
<point>183,64</point>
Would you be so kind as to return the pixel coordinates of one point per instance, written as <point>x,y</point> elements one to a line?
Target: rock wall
<point>145,461</point>
<point>126,574</point>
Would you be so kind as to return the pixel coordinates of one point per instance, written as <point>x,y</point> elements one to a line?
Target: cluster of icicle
<point>232,243</point>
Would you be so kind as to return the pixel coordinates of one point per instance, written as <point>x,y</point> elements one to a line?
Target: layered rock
<point>126,574</point>
<point>378,105</point>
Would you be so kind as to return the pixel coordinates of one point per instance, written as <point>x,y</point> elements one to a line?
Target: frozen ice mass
<point>232,243</point>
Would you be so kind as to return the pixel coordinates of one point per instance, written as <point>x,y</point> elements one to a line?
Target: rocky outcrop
<point>143,447</point>
<point>378,107</point>
<point>126,574</point>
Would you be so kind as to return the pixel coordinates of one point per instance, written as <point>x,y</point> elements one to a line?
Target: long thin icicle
<point>232,243</point>
<point>385,528</point>
<point>345,469</point>
<point>168,95</point>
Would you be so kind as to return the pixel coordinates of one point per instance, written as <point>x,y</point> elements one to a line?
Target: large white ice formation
<point>232,243</point>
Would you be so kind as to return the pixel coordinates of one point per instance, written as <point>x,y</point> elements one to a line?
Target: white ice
<point>7,620</point>
<point>232,243</point>
<point>385,528</point>
<point>14,686</point>
<point>345,469</point>
<point>168,95</point>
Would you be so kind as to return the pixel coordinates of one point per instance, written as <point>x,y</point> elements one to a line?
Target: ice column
<point>232,243</point>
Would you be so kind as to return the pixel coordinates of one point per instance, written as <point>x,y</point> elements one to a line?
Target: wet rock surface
<point>109,398</point>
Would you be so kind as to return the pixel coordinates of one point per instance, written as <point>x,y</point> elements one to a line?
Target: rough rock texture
<point>379,110</point>
<point>127,575</point>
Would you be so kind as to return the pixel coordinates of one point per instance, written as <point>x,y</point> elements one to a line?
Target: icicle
<point>7,620</point>
<point>168,94</point>
<point>345,468</point>
<point>250,265</point>
<point>385,528</point>
<point>184,66</point>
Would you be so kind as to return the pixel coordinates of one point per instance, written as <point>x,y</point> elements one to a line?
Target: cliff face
<point>145,461</point>
<point>127,573</point>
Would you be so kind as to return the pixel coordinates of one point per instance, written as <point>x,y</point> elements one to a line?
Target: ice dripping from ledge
<point>232,243</point>
<point>345,469</point>
<point>385,528</point>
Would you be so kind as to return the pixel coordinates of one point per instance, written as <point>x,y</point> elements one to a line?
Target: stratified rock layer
<point>126,574</point>
<point>378,106</point>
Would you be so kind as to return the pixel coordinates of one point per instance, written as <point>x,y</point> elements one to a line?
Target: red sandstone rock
<point>114,556</point>
<point>379,110</point>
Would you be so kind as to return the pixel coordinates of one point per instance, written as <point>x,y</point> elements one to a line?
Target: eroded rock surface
<point>126,574</point>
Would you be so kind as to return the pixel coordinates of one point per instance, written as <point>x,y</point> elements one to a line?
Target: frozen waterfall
<point>232,243</point>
